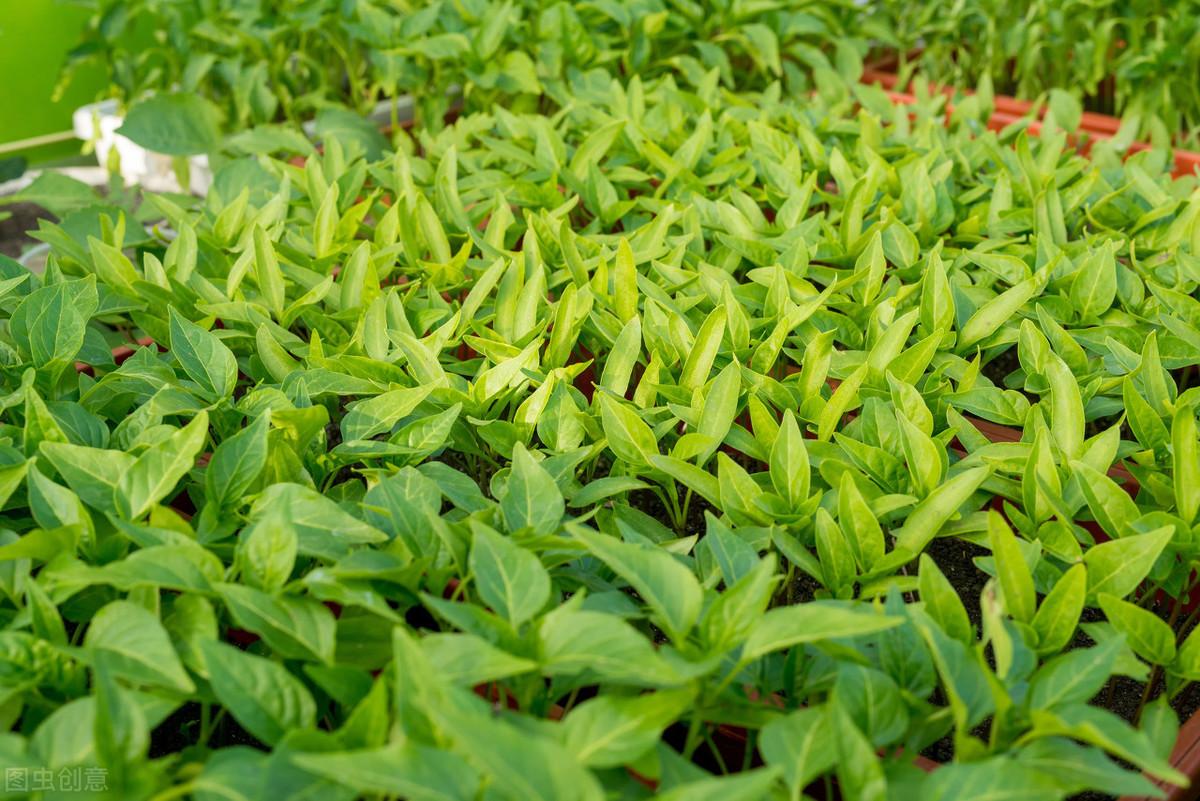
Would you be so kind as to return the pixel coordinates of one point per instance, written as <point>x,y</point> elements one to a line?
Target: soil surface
<point>14,238</point>
<point>999,368</point>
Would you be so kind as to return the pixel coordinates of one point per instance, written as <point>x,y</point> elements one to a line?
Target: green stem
<point>712,747</point>
<point>687,502</point>
<point>693,740</point>
<point>205,723</point>
<point>178,791</point>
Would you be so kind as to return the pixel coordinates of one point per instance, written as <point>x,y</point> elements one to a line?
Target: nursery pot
<point>98,123</point>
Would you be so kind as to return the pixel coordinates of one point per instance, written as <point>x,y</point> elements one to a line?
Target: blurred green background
<point>34,37</point>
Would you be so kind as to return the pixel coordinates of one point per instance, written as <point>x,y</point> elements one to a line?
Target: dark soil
<point>648,502</point>
<point>181,730</point>
<point>14,239</point>
<point>955,558</point>
<point>1000,366</point>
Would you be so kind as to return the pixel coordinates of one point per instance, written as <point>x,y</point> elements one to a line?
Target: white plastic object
<point>98,123</point>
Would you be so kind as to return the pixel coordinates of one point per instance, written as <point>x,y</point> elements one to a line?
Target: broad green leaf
<point>932,513</point>
<point>204,357</point>
<point>1185,463</point>
<point>468,660</point>
<point>627,434</point>
<point>1147,634</point>
<point>798,743</point>
<point>1016,580</point>
<point>137,647</point>
<point>942,601</point>
<point>572,642</point>
<point>92,473</point>
<point>236,463</point>
<point>784,627</point>
<point>156,472</point>
<point>532,499</point>
<point>609,731</point>
<point>1059,612</point>
<point>789,465</point>
<point>664,582</point>
<point>1074,677</point>
<point>1117,567</point>
<point>294,628</point>
<point>408,769</point>
<point>175,124</point>
<point>510,579</point>
<point>263,696</point>
<point>708,340</point>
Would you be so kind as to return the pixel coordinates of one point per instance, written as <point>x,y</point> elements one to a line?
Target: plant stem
<point>1154,676</point>
<point>693,739</point>
<point>178,791</point>
<point>205,723</point>
<point>687,501</point>
<point>716,752</point>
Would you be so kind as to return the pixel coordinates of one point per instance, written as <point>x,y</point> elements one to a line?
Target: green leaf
<point>731,617</point>
<point>1016,580</point>
<point>176,124</point>
<point>468,661</point>
<point>994,779</point>
<point>1095,283</point>
<point>204,358</point>
<point>1185,462</point>
<point>532,499</point>
<point>942,601</point>
<point>1187,660</point>
<point>607,731</point>
<point>159,468</point>
<point>932,513</point>
<point>626,349</point>
<point>521,763</point>
<point>859,772</point>
<point>1076,768</point>
<point>989,317</point>
<point>510,579</point>
<point>750,785</point>
<point>628,435</point>
<point>236,463</point>
<point>1074,677</point>
<point>1112,507</point>
<point>704,350</point>
<point>720,407</point>
<point>668,586</point>
<point>50,323</point>
<point>92,473</point>
<point>816,621</point>
<point>873,701</point>
<point>137,647</point>
<point>266,699</point>
<point>859,525</point>
<point>789,465</point>
<point>574,642</point>
<point>1147,634</point>
<point>799,744</point>
<point>1066,408</point>
<point>1059,612</point>
<point>294,628</point>
<point>267,272</point>
<point>407,769</point>
<point>1117,567</point>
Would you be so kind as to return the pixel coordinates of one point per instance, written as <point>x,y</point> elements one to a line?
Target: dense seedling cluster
<point>1135,59</point>
<point>234,65</point>
<point>649,447</point>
